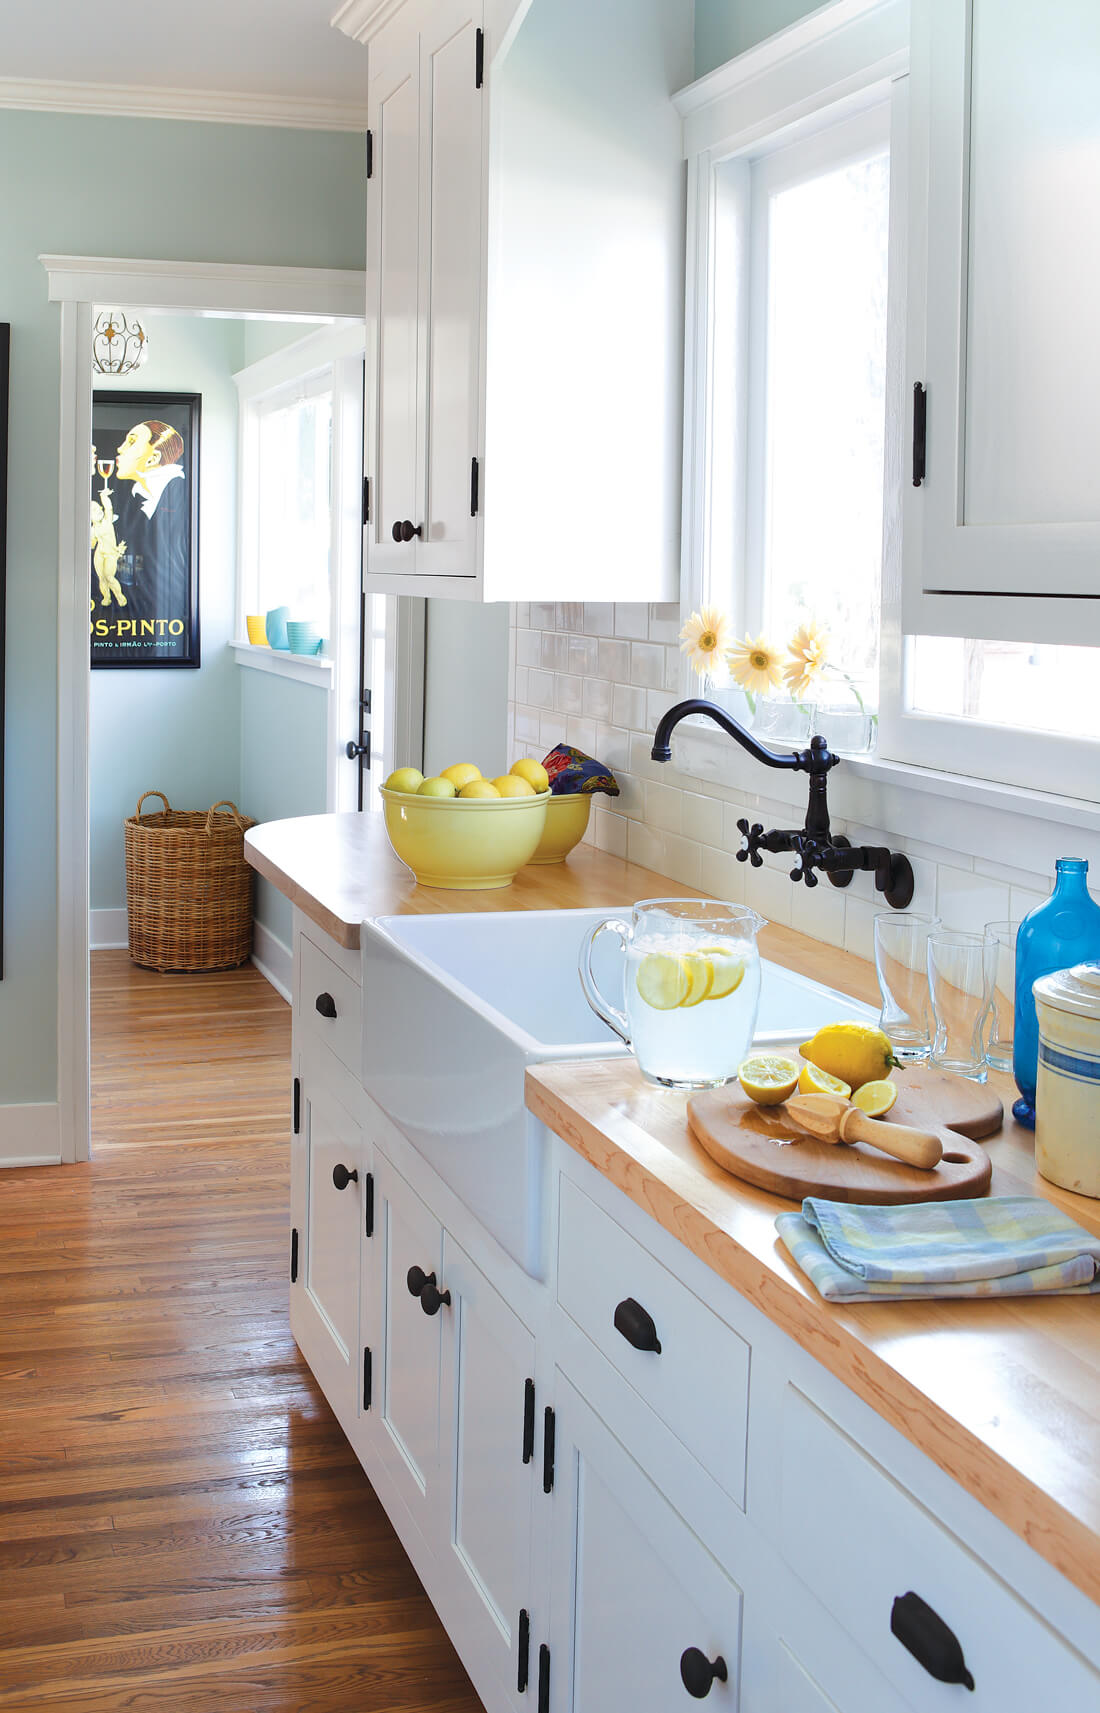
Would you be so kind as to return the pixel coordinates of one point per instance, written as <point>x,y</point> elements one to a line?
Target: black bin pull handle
<point>637,1326</point>
<point>326,1005</point>
<point>931,1643</point>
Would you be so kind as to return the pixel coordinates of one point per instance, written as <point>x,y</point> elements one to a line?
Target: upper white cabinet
<point>1003,334</point>
<point>525,296</point>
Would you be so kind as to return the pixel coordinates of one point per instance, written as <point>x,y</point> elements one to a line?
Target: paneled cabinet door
<point>405,1259</point>
<point>1004,182</point>
<point>488,1438</point>
<point>640,1609</point>
<point>327,1153</point>
<point>424,286</point>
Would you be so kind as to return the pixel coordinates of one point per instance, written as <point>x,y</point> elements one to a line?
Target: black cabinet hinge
<point>367,1367</point>
<point>528,1420</point>
<point>294,1256</point>
<point>366,500</point>
<point>544,1679</point>
<point>368,1205</point>
<point>479,59</point>
<point>297,1106</point>
<point>475,486</point>
<point>370,154</point>
<point>548,1451</point>
<point>523,1653</point>
<point>920,431</point>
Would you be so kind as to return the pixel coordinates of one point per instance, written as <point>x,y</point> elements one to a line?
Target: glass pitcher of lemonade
<point>691,988</point>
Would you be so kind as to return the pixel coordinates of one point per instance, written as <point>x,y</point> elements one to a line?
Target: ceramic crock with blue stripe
<point>1067,1095</point>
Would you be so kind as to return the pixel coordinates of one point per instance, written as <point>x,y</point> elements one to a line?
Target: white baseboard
<point>108,930</point>
<point>30,1135</point>
<point>273,959</point>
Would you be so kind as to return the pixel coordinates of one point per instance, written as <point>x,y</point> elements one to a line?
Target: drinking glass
<point>691,988</point>
<point>960,982</point>
<point>1002,1014</point>
<point>901,964</point>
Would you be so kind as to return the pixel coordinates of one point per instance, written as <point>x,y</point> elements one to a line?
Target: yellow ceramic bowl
<point>566,821</point>
<point>468,844</point>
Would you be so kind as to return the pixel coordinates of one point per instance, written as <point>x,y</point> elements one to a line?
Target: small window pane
<point>827,273</point>
<point>1031,686</point>
<point>295,505</point>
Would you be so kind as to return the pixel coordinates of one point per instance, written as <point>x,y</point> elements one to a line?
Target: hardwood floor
<point>182,1524</point>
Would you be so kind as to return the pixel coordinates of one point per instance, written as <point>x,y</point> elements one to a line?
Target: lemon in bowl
<point>469,842</point>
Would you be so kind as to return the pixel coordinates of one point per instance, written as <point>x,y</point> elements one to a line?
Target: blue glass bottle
<point>1061,932</point>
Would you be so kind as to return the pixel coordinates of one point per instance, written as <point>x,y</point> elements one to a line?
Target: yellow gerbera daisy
<point>756,665</point>
<point>808,647</point>
<point>704,639</point>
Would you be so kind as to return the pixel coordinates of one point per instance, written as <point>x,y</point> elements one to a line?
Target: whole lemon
<point>405,779</point>
<point>437,787</point>
<point>460,773</point>
<point>511,785</point>
<point>533,771</point>
<point>479,788</point>
<point>855,1052</point>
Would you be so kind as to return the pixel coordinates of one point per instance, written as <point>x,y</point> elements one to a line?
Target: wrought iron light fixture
<point>118,346</point>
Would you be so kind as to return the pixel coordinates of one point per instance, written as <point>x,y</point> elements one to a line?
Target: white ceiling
<point>251,59</point>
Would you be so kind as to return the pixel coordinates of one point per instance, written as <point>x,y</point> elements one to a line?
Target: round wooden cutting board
<point>762,1145</point>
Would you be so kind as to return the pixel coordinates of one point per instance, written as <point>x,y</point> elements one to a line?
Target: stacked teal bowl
<point>303,636</point>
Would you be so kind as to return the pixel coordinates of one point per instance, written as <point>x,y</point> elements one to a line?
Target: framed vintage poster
<point>145,529</point>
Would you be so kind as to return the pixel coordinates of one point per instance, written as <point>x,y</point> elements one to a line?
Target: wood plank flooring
<point>182,1524</point>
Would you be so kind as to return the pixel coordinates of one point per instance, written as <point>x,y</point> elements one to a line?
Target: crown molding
<point>214,287</point>
<point>362,19</point>
<point>214,106</point>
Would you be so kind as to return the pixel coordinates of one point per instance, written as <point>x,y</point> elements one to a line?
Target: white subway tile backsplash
<point>599,618</point>
<point>657,704</point>
<point>551,731</point>
<point>632,619</point>
<point>526,726</point>
<point>631,798</point>
<point>721,875</point>
<point>628,707</point>
<point>597,698</point>
<point>583,655</point>
<point>571,616</point>
<point>611,832</point>
<point>554,654</point>
<point>818,912</point>
<point>581,734</point>
<point>528,648</point>
<point>859,930</point>
<point>613,660</point>
<point>613,747</point>
<point>519,683</point>
<point>769,892</point>
<point>662,806</point>
<point>647,665</point>
<point>1021,901</point>
<point>543,615</point>
<point>540,689</point>
<point>568,693</point>
<point>664,622</point>
<point>967,900</point>
<point>701,818</point>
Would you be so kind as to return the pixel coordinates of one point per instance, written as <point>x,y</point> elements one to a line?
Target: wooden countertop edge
<point>345,934</point>
<point>1061,1538</point>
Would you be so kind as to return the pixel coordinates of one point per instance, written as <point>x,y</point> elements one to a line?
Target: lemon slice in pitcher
<point>662,980</point>
<point>729,970</point>
<point>700,977</point>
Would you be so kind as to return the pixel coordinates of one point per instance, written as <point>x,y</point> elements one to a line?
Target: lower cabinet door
<point>644,1619</point>
<point>489,1441</point>
<point>405,1339</point>
<point>328,1153</point>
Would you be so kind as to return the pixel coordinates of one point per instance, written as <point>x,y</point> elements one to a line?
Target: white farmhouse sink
<point>454,1009</point>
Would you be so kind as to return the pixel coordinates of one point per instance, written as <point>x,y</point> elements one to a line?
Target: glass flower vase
<point>779,720</point>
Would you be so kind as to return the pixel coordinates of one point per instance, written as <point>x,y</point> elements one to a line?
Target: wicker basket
<point>188,887</point>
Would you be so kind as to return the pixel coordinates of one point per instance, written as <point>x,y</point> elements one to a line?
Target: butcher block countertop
<point>1004,1395</point>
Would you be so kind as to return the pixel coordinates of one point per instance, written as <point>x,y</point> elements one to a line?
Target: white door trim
<point>78,283</point>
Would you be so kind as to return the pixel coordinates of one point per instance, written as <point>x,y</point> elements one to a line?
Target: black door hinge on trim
<point>294,1256</point>
<point>544,1679</point>
<point>366,500</point>
<point>297,1105</point>
<point>523,1667</point>
<point>479,59</point>
<point>920,431</point>
<point>370,154</point>
<point>548,1450</point>
<point>367,1366</point>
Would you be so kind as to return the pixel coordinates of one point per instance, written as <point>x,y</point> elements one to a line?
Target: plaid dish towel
<point>996,1246</point>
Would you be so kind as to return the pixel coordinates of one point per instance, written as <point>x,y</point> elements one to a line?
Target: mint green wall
<point>264,338</point>
<point>284,731</point>
<point>724,28</point>
<point>176,731</point>
<point>111,187</point>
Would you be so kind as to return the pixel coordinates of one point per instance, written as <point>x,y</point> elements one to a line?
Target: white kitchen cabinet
<point>525,296</point>
<point>639,1608</point>
<point>1002,331</point>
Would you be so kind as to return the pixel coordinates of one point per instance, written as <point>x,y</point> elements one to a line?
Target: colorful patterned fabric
<point>996,1246</point>
<point>572,773</point>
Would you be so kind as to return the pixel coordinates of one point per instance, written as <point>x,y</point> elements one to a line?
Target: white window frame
<point>841,59</point>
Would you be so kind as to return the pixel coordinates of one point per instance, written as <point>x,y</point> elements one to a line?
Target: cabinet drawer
<point>859,1542</point>
<point>698,1383</point>
<point>329,1004</point>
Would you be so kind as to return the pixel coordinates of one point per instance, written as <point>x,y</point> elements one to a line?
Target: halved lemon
<point>812,1080</point>
<point>876,1098</point>
<point>768,1078</point>
<point>700,976</point>
<point>729,970</point>
<point>662,980</point>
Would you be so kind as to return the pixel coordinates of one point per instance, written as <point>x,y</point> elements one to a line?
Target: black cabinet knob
<point>636,1325</point>
<point>405,530</point>
<point>697,1672</point>
<point>353,750</point>
<point>326,1005</point>
<point>416,1279</point>
<point>432,1298</point>
<point>931,1643</point>
<point>341,1177</point>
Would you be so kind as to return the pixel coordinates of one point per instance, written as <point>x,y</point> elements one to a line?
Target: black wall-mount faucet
<point>814,845</point>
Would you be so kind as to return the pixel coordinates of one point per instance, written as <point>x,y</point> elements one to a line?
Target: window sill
<point>942,812</point>
<point>306,668</point>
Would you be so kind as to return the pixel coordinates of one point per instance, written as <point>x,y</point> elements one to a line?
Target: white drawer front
<point>330,1005</point>
<point>699,1381</point>
<point>859,1542</point>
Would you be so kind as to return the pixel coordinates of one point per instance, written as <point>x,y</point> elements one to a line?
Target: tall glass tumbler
<point>960,982</point>
<point>901,964</point>
<point>1002,1012</point>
